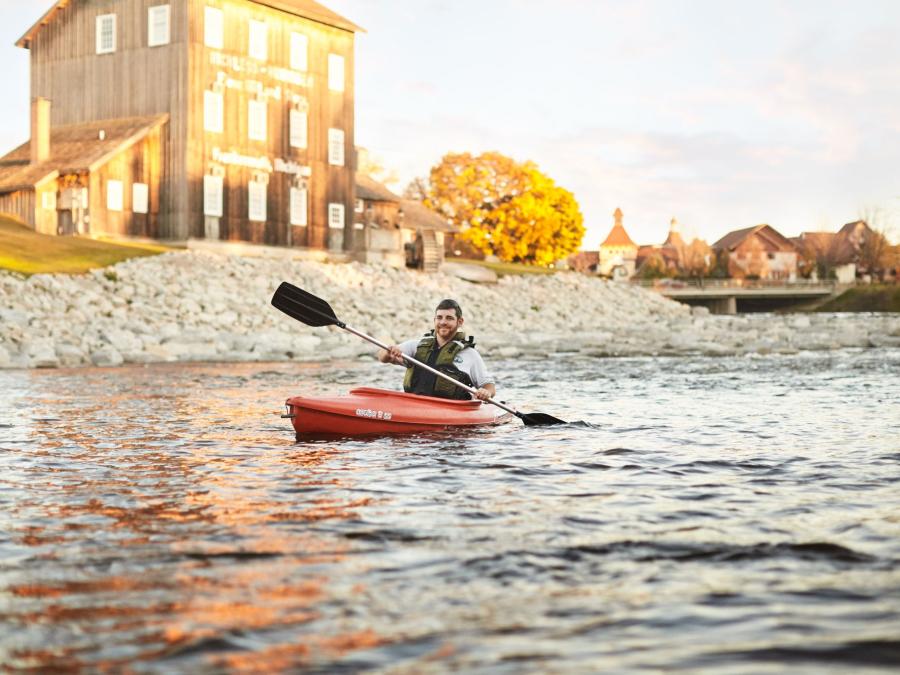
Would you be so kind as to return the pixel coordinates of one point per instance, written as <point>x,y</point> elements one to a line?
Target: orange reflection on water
<point>218,529</point>
<point>283,657</point>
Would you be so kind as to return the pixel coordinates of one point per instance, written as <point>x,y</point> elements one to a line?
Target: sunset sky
<point>721,114</point>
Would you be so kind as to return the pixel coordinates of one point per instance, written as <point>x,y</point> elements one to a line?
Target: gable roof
<point>766,232</point>
<point>74,148</point>
<point>369,188</point>
<point>618,237</point>
<point>309,9</point>
<point>417,216</point>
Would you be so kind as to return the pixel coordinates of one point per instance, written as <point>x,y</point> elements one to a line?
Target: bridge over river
<point>729,296</point>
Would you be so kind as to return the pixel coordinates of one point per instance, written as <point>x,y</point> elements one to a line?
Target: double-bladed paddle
<point>313,311</point>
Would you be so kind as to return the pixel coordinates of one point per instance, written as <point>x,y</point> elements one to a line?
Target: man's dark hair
<point>450,304</point>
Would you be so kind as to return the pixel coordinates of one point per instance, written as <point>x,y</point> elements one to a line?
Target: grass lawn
<point>23,250</point>
<point>502,268</point>
<point>874,298</point>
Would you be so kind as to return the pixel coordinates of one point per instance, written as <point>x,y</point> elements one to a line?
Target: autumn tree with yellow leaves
<point>506,208</point>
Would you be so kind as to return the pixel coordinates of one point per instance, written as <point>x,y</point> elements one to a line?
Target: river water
<point>721,515</point>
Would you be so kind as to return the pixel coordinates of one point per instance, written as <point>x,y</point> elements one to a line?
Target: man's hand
<point>486,392</point>
<point>391,355</point>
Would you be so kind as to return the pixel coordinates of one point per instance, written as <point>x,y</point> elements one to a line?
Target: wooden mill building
<point>216,119</point>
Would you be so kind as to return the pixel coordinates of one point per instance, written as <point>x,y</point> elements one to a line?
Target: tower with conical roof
<point>617,252</point>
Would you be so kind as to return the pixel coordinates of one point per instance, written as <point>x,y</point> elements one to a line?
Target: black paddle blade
<point>539,419</point>
<point>303,306</point>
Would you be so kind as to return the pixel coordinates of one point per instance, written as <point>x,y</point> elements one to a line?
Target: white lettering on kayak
<point>373,414</point>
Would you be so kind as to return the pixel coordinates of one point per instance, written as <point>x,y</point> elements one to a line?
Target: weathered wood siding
<point>138,80</point>
<point>19,205</point>
<point>240,79</point>
<point>135,80</point>
<point>141,163</point>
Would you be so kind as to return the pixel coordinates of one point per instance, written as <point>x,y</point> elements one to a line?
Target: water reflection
<point>708,515</point>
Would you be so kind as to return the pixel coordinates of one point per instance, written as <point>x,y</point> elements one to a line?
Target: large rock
<point>474,273</point>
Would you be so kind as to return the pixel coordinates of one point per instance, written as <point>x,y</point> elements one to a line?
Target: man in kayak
<point>445,349</point>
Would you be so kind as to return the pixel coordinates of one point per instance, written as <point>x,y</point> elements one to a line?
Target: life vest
<point>420,381</point>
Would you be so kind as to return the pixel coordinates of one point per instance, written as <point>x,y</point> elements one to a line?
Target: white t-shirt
<point>467,360</point>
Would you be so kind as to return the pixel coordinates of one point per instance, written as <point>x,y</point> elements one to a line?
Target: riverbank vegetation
<point>25,251</point>
<point>504,208</point>
<point>874,298</point>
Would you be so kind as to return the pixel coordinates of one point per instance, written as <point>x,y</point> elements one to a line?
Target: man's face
<point>446,324</point>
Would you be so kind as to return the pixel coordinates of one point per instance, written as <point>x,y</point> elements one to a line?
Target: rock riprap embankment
<point>190,306</point>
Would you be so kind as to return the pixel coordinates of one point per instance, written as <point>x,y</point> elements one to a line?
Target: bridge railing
<point>675,284</point>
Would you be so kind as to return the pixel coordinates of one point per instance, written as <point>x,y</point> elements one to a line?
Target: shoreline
<point>200,307</point>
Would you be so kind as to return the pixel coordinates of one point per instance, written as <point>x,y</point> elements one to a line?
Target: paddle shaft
<point>418,363</point>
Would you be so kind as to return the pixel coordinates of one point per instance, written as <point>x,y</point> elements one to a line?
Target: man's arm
<point>394,354</point>
<point>479,375</point>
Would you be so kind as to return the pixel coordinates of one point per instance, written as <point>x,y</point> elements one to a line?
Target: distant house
<point>585,262</point>
<point>825,255</point>
<point>213,119</point>
<point>853,250</point>
<point>759,252</point>
<point>667,258</point>
<point>396,231</point>
<point>105,171</point>
<point>618,253</point>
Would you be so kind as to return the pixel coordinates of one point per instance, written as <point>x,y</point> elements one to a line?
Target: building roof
<point>74,148</point>
<point>618,237</point>
<point>417,216</point>
<point>309,9</point>
<point>769,234</point>
<point>370,189</point>
<point>836,247</point>
<point>674,239</point>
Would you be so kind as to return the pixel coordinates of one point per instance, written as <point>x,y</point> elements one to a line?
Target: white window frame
<point>256,201</point>
<point>214,27</point>
<point>336,218</point>
<point>257,113</point>
<point>213,112</point>
<point>48,200</point>
<point>299,51</point>
<point>299,128</point>
<point>335,72</point>
<point>336,147</point>
<point>360,205</point>
<point>159,34</point>
<point>258,47</point>
<point>213,195</point>
<point>102,21</point>
<point>299,206</point>
<point>114,199</point>
<point>140,198</point>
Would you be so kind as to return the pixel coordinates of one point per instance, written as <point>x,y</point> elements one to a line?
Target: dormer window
<point>106,33</point>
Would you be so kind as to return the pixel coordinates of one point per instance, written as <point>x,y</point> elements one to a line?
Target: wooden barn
<point>216,119</point>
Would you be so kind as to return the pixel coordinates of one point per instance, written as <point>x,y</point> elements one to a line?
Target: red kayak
<point>378,411</point>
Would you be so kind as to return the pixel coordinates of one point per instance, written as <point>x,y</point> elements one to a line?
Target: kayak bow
<point>369,411</point>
